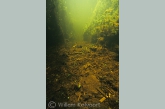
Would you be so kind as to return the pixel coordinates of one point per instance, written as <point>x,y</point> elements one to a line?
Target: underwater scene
<point>82,54</point>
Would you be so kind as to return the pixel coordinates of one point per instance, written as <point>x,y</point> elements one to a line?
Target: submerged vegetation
<point>104,25</point>
<point>82,60</point>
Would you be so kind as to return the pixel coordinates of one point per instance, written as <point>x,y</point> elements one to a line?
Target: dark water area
<point>82,54</point>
